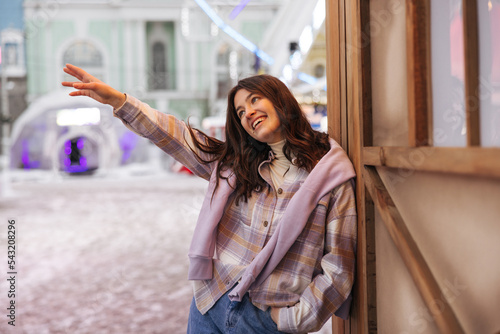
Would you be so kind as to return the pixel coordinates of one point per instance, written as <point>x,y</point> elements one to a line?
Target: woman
<point>274,247</point>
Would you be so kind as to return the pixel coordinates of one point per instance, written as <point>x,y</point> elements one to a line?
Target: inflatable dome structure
<point>74,135</point>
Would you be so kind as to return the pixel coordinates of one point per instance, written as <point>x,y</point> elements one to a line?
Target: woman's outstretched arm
<point>167,132</point>
<point>92,87</point>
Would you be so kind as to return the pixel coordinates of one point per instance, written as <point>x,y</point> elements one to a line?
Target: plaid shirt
<point>316,275</point>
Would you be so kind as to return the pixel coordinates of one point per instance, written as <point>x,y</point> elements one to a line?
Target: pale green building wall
<point>113,36</point>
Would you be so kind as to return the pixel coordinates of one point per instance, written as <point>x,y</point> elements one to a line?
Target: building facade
<point>179,56</point>
<point>168,53</point>
<point>12,64</point>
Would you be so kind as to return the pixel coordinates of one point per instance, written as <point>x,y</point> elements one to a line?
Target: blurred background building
<point>180,56</point>
<point>12,67</point>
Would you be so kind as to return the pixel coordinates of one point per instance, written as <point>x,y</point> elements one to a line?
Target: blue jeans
<point>227,317</point>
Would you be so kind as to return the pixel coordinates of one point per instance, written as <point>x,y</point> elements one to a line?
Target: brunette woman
<point>274,247</point>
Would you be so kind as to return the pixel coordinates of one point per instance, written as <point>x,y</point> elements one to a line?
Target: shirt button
<point>265,223</point>
<point>280,191</point>
<point>228,282</point>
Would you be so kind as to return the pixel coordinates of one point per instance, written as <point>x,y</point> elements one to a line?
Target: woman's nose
<point>250,112</point>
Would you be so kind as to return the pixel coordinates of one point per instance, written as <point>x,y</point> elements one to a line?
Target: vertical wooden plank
<point>418,72</point>
<point>359,322</point>
<point>339,326</point>
<point>333,70</point>
<point>366,70</point>
<point>363,315</point>
<point>343,74</point>
<point>471,50</point>
<point>335,94</point>
<point>371,262</point>
<point>367,140</point>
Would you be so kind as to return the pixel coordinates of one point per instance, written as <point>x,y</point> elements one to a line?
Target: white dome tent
<point>42,136</point>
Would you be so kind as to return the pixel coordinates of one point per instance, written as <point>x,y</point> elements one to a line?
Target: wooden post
<point>359,116</point>
<point>418,72</point>
<point>471,58</point>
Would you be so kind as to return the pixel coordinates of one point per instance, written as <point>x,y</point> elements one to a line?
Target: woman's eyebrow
<point>249,96</point>
<point>246,99</point>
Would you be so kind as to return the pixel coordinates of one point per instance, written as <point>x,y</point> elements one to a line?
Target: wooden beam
<point>366,74</point>
<point>425,282</point>
<point>357,46</point>
<point>476,161</point>
<point>471,58</point>
<point>343,73</point>
<point>359,313</point>
<point>336,105</point>
<point>418,72</point>
<point>333,74</point>
<point>338,326</point>
<point>366,139</point>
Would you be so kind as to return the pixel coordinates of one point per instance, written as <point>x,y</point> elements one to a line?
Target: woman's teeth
<point>257,121</point>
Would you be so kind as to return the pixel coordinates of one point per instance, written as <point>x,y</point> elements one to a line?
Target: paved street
<point>100,255</point>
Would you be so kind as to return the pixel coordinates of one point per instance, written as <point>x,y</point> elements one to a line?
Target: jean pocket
<point>233,314</point>
<point>269,322</point>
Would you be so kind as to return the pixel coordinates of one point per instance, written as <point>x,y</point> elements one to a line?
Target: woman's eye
<point>240,113</point>
<point>254,99</point>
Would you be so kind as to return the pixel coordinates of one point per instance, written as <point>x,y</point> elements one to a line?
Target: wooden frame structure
<point>350,123</point>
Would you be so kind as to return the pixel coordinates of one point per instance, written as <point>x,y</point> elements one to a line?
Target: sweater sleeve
<point>328,290</point>
<point>166,132</point>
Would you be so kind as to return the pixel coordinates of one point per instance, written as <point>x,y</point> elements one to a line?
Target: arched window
<point>85,54</point>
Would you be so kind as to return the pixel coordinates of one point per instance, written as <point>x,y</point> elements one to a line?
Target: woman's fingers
<point>89,85</point>
<point>79,85</point>
<point>97,91</point>
<point>73,71</point>
<point>80,74</point>
<point>78,93</point>
<point>68,83</point>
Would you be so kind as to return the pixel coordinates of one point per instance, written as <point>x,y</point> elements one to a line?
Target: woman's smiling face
<point>258,116</point>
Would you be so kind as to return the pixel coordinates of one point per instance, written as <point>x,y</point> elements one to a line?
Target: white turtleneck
<point>280,164</point>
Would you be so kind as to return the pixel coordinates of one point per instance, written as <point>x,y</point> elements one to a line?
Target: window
<point>86,55</point>
<point>12,52</point>
<point>158,77</point>
<point>224,82</point>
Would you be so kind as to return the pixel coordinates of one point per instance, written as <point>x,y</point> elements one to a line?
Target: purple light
<point>128,141</point>
<point>67,162</point>
<point>76,169</point>
<point>83,162</point>
<point>80,142</point>
<point>238,9</point>
<point>67,150</point>
<point>25,154</point>
<point>125,156</point>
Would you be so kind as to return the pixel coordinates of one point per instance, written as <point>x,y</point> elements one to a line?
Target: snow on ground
<point>100,254</point>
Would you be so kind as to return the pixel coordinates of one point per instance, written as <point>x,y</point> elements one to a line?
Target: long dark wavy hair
<point>243,154</point>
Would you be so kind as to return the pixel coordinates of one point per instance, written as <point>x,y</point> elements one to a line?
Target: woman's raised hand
<point>92,87</point>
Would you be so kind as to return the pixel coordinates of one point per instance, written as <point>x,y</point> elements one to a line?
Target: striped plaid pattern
<point>315,276</point>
